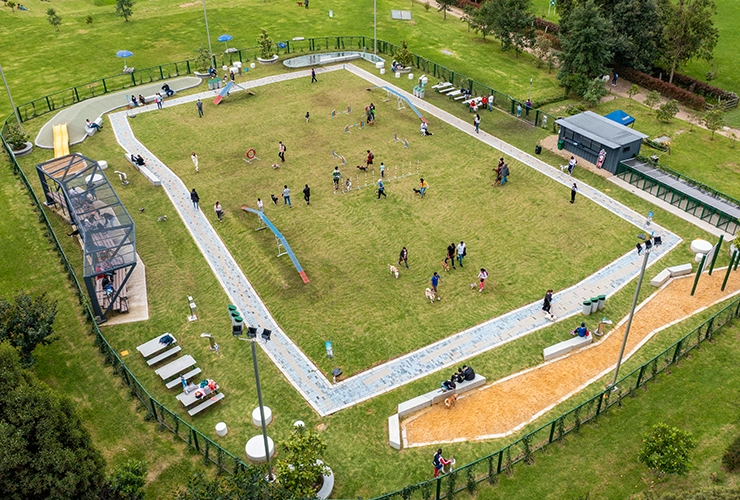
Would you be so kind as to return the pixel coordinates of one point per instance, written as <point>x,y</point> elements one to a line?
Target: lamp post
<point>647,249</point>
<point>208,33</point>
<point>375,27</point>
<point>252,338</point>
<point>10,97</point>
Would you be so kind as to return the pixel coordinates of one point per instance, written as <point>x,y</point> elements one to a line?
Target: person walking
<point>313,70</point>
<point>490,102</point>
<point>451,254</point>
<point>572,164</point>
<point>476,122</point>
<point>614,80</point>
<point>403,257</point>
<point>281,151</point>
<point>439,463</point>
<point>504,173</point>
<point>547,303</point>
<point>308,116</point>
<point>435,281</point>
<point>423,185</point>
<point>462,251</point>
<point>199,105</point>
<point>573,191</point>
<point>482,276</point>
<point>382,170</point>
<point>381,188</point>
<point>286,196</point>
<point>369,159</point>
<point>195,198</point>
<point>194,157</point>
<point>219,211</point>
<point>260,205</point>
<point>158,100</point>
<point>336,176</point>
<point>307,194</point>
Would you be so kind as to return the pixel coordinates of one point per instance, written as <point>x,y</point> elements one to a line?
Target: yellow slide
<point>61,140</point>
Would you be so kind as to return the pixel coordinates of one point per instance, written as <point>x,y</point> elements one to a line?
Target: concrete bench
<point>152,347</point>
<point>90,131</point>
<point>394,431</point>
<point>164,355</point>
<point>461,97</point>
<point>681,270</point>
<point>455,93</point>
<point>437,395</point>
<point>176,382</point>
<point>442,85</point>
<point>218,397</point>
<point>145,172</point>
<point>150,99</point>
<point>661,278</point>
<point>567,346</point>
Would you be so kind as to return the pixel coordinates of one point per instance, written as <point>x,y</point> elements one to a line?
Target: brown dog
<point>445,265</point>
<point>451,401</point>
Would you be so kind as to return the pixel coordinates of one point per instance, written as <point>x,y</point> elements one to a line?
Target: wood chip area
<point>507,405</point>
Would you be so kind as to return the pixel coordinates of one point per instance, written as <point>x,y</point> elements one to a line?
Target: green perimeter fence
<point>116,83</point>
<point>466,477</point>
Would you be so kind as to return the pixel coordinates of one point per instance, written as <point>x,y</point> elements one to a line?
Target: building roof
<point>620,117</point>
<point>601,129</point>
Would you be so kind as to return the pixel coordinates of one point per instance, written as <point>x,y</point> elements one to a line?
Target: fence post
<point>598,406</point>
<point>133,78</point>
<point>77,95</point>
<point>512,105</point>
<point>678,349</point>
<point>500,459</point>
<point>639,377</point>
<point>536,117</point>
<point>48,104</point>
<point>552,430</point>
<point>161,74</point>
<point>710,323</point>
<point>439,488</point>
<point>187,65</point>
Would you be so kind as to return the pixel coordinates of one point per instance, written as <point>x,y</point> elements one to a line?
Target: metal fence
<point>489,468</point>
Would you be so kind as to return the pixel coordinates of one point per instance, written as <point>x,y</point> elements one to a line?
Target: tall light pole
<point>647,248</point>
<point>375,27</point>
<point>253,341</point>
<point>12,105</point>
<point>208,33</point>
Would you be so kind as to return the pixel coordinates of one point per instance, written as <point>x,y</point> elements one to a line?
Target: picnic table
<point>176,367</point>
<point>154,346</point>
<point>188,399</point>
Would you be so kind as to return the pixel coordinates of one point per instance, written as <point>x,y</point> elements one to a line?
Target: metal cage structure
<point>76,187</point>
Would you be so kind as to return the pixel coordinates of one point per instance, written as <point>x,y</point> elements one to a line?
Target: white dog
<point>394,270</point>
<point>428,293</point>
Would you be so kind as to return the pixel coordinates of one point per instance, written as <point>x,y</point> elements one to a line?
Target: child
<point>307,116</point>
<point>482,275</point>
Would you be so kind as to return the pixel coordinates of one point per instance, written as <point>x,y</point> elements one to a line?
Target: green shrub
<point>666,449</point>
<point>731,458</point>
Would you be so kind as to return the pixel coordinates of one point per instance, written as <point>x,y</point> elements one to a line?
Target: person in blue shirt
<point>381,188</point>
<point>435,282</point>
<point>582,331</point>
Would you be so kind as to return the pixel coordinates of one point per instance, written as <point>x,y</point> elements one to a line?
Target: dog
<point>274,199</point>
<point>362,167</point>
<point>162,218</point>
<point>451,401</point>
<point>393,270</point>
<point>445,265</point>
<point>275,166</point>
<point>551,317</point>
<point>428,293</point>
<point>563,168</point>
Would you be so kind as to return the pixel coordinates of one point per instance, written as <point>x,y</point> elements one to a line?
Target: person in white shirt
<point>194,157</point>
<point>461,252</point>
<point>260,205</point>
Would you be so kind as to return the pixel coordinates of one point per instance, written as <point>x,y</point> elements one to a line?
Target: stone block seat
<point>562,348</point>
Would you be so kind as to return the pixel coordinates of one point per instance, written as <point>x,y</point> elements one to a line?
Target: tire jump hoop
<point>405,142</point>
<point>349,126</point>
<point>251,156</point>
<point>336,155</point>
<point>334,113</point>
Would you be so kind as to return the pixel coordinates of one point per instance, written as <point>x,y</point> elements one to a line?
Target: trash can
<point>537,149</point>
<point>586,307</point>
<point>561,144</point>
<point>221,429</point>
<point>602,299</point>
<point>594,304</point>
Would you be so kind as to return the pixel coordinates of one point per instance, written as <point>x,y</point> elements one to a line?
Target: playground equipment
<point>334,112</point>
<point>349,126</point>
<point>398,139</point>
<point>61,140</point>
<point>339,157</point>
<point>403,98</point>
<point>282,243</point>
<point>367,179</point>
<point>224,92</point>
<point>251,155</point>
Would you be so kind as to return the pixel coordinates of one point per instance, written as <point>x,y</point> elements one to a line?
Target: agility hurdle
<point>338,156</point>
<point>348,126</point>
<point>250,156</point>
<point>334,112</point>
<point>405,142</point>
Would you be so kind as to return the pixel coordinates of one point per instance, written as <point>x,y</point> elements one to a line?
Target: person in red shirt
<point>370,158</point>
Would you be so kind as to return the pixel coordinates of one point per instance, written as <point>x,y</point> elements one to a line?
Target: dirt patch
<point>550,143</point>
<point>191,4</point>
<point>503,407</point>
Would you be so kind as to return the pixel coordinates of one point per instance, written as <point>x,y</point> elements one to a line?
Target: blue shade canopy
<point>620,116</point>
<point>124,53</point>
<point>225,38</point>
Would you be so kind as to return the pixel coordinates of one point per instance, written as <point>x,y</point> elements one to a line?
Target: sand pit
<point>510,403</point>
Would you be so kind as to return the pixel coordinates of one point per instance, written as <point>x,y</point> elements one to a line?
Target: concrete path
<point>325,397</point>
<point>74,116</point>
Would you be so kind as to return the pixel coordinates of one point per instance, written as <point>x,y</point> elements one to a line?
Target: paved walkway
<point>325,397</point>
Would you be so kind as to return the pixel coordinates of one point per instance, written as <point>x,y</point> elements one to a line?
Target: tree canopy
<point>638,28</point>
<point>125,9</point>
<point>689,32</point>
<point>509,20</point>
<point>26,323</point>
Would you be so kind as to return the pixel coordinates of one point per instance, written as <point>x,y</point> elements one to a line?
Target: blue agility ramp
<point>281,241</point>
<point>418,113</point>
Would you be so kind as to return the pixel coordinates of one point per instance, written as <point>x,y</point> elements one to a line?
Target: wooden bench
<point>175,382</point>
<point>145,172</point>
<point>152,347</point>
<point>661,278</point>
<point>150,99</point>
<point>394,431</point>
<point>90,131</point>
<point>461,97</point>
<point>438,395</point>
<point>681,270</point>
<point>174,369</point>
<point>442,85</point>
<point>455,93</point>
<point>567,346</point>
<point>218,397</point>
<point>164,355</point>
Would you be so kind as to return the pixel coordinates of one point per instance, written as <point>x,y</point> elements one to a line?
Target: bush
<point>554,40</point>
<point>667,111</point>
<point>666,449</point>
<point>702,88</point>
<point>15,137</point>
<point>731,458</point>
<point>669,90</point>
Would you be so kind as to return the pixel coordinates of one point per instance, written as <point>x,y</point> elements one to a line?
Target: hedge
<point>546,26</point>
<point>667,89</point>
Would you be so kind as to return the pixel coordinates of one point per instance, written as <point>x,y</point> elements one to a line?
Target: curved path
<point>325,397</point>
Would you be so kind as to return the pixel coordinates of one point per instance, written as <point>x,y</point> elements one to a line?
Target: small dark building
<point>587,134</point>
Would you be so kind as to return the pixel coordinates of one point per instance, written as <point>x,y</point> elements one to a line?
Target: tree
<point>247,484</point>
<point>587,53</point>
<point>444,6</point>
<point>89,20</point>
<point>714,120</point>
<point>483,19</point>
<point>595,91</point>
<point>27,323</point>
<point>541,48</point>
<point>689,32</point>
<point>652,98</point>
<point>667,111</point>
<point>265,42</point>
<point>46,451</point>
<point>203,61</point>
<point>127,481</point>
<point>54,19</point>
<point>511,22</point>
<point>299,471</point>
<point>403,56</point>
<point>637,31</point>
<point>11,4</point>
<point>633,91</point>
<point>125,9</point>
<point>666,449</point>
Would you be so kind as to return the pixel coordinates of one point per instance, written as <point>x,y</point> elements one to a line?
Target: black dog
<point>274,199</point>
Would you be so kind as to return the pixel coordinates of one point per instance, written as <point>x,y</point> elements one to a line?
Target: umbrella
<point>123,54</point>
<point>225,39</point>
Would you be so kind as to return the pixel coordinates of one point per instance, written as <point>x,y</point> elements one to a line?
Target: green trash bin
<point>586,307</point>
<point>602,299</point>
<point>561,143</point>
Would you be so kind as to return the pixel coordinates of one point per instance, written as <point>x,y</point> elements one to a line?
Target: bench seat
<point>681,270</point>
<point>567,346</point>
<point>437,395</point>
<point>661,278</point>
<point>176,382</point>
<point>164,355</point>
<point>90,131</point>
<point>218,397</point>
<point>394,432</point>
<point>145,172</point>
